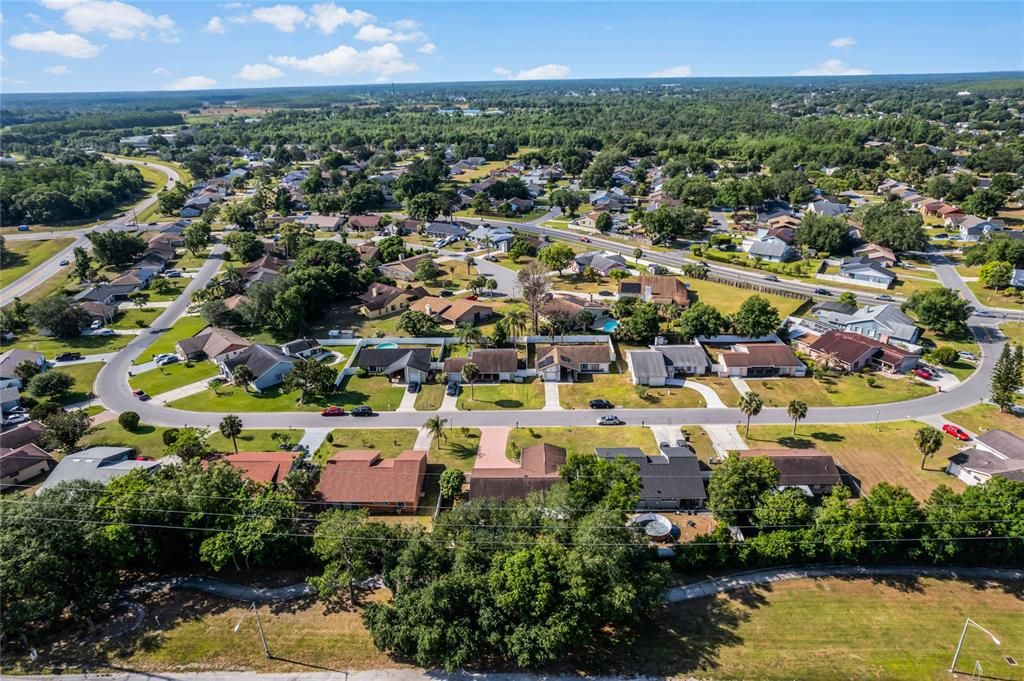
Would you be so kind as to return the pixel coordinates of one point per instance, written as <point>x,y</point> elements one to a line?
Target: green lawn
<point>582,440</point>
<point>457,449</point>
<point>176,289</point>
<point>961,369</point>
<point>85,377</point>
<point>134,318</point>
<point>619,390</point>
<point>430,397</point>
<point>147,440</point>
<point>528,395</point>
<point>162,379</point>
<point>983,417</point>
<point>374,391</point>
<point>839,391</point>
<point>24,256</point>
<point>723,386</point>
<point>1013,331</point>
<point>727,299</point>
<point>390,442</point>
<point>185,327</point>
<point>87,345</point>
<point>872,454</point>
<point>1007,298</point>
<point>254,440</point>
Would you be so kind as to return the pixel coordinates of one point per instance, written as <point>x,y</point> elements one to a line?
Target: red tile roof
<point>260,466</point>
<point>363,478</point>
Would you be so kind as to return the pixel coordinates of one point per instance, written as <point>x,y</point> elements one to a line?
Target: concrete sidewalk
<point>183,391</point>
<point>740,384</point>
<point>423,440</point>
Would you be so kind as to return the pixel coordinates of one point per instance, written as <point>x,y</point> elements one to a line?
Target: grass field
<point>147,440</point>
<point>727,299</point>
<point>617,389</point>
<point>457,449</point>
<point>1007,298</point>
<point>871,454</point>
<point>87,345</point>
<point>185,327</point>
<point>502,396</point>
<point>430,397</point>
<point>983,417</point>
<point>1013,331</point>
<point>85,377</point>
<point>390,442</point>
<point>162,379</point>
<point>374,391</point>
<point>24,256</point>
<point>134,318</point>
<point>839,391</point>
<point>582,440</point>
<point>723,386</point>
<point>254,440</point>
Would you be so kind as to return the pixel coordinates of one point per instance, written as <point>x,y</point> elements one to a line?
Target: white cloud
<point>65,44</point>
<point>282,17</point>
<point>372,33</point>
<point>406,24</point>
<point>214,25</point>
<point>12,81</point>
<point>427,48</point>
<point>116,20</point>
<point>546,72</point>
<point>327,17</point>
<point>833,67</point>
<point>58,70</point>
<point>259,72</point>
<point>843,43</point>
<point>161,71</point>
<point>683,71</point>
<point>191,83</point>
<point>381,60</point>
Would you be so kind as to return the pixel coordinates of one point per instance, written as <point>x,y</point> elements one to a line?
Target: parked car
<point>332,411</point>
<point>362,411</point>
<point>141,394</point>
<point>955,431</point>
<point>884,296</point>
<point>163,355</point>
<point>468,249</point>
<point>172,274</point>
<point>67,357</point>
<point>969,356</point>
<point>472,297</point>
<point>771,277</point>
<point>663,445</point>
<point>681,443</point>
<point>64,263</point>
<point>452,390</point>
<point>164,361</point>
<point>923,373</point>
<point>604,293</point>
<point>18,410</point>
<point>941,235</point>
<point>610,420</point>
<point>103,332</point>
<point>822,291</point>
<point>96,324</point>
<point>414,387</point>
<point>601,404</point>
<point>15,419</point>
<point>983,313</point>
<point>22,228</point>
<point>445,293</point>
<point>491,258</point>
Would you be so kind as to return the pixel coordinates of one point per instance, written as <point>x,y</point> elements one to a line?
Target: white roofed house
<point>826,207</point>
<point>882,322</point>
<point>98,464</point>
<point>770,249</point>
<point>302,348</point>
<point>996,453</point>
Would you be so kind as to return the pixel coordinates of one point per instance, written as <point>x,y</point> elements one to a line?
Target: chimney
<point>647,292</point>
<point>427,309</point>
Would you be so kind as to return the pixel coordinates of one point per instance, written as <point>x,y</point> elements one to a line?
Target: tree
<point>889,225</point>
<point>50,384</point>
<point>189,444</point>
<point>848,298</point>
<point>928,441</point>
<point>946,355</point>
<point>566,199</point>
<point>666,223</point>
<point>245,214</point>
<point>425,206</point>
<point>642,324</point>
<point>311,378</point>
<point>138,298</point>
<point>129,420</point>
<point>556,256</point>
<point>63,429</point>
<point>83,265</point>
<point>417,324</point>
<point>534,283</point>
<point>26,370</point>
<point>824,233</point>
<point>470,261</point>
<point>637,254</point>
<point>985,202</point>
<point>471,374</point>
<point>216,313</point>
<point>520,247</point>
<point>481,203</point>
<point>604,222</point>
<point>996,274</point>
<point>242,375</point>
<point>427,271</point>
<point>797,411</point>
<point>756,317</point>
<point>231,426</point>
<point>451,482</point>
<point>701,319</point>
<point>196,236</point>
<point>244,246</point>
<point>435,426</point>
<point>344,543</point>
<point>751,405</point>
<point>113,249</point>
<point>1006,379</point>
<point>940,309</point>
<point>738,485</point>
<point>59,315</point>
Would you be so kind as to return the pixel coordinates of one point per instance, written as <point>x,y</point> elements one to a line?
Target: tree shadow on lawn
<point>460,450</point>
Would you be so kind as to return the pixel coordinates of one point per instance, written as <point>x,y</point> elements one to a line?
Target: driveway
<point>491,453</point>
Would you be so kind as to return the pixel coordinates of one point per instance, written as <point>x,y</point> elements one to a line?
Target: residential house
<point>462,311</point>
<point>212,343</point>
<point>10,360</point>
<point>407,226</point>
<point>1017,278</point>
<point>811,471</point>
<point>402,365</point>
<point>849,352</point>
<point>106,294</point>
<point>404,269</point>
<point>655,288</point>
<point>863,269</point>
<point>660,363</point>
<point>996,453</point>
<point>499,238</point>
<point>763,357</point>
<point>931,207</point>
<point>603,262</point>
<point>21,464</point>
<point>232,303</point>
<point>362,479</point>
<point>671,479</point>
<point>885,322</point>
<point>516,206</point>
<point>495,364</point>
<point>826,207</point>
<point>558,362</point>
<point>265,467</point>
<point>363,223</point>
<point>367,250</point>
<point>104,313</point>
<point>445,230</point>
<point>972,228</point>
<point>784,221</point>
<point>878,254</point>
<point>565,306</point>
<point>10,398</point>
<point>380,300</point>
<point>589,221</point>
<point>268,364</point>
<point>324,223</point>
<point>30,432</point>
<point>950,215</point>
<point>98,464</point>
<point>302,348</point>
<point>537,471</point>
<point>769,249</point>
<point>264,269</point>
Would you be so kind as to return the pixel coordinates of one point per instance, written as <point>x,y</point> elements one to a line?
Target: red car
<point>956,431</point>
<point>332,411</point>
<point>141,395</point>
<point>584,240</point>
<point>923,373</point>
<point>472,297</point>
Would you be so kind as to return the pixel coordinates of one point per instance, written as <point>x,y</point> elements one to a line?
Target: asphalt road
<point>44,271</point>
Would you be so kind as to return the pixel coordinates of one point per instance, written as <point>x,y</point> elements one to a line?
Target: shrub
<point>43,409</point>
<point>129,420</point>
<point>330,438</point>
<point>870,380</point>
<point>169,436</point>
<point>944,355</point>
<point>362,372</point>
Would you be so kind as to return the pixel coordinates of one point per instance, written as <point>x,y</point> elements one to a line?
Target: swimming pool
<point>610,326</point>
<point>386,346</point>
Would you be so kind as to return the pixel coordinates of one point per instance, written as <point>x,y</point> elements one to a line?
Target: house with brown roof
<point>213,343</point>
<point>537,472</point>
<point>404,269</point>
<point>495,364</point>
<point>362,479</point>
<point>22,463</point>
<point>381,300</point>
<point>232,303</point>
<point>558,362</point>
<point>367,250</point>
<point>879,254</point>
<point>752,357</point>
<point>655,288</point>
<point>266,467</point>
<point>362,223</point>
<point>848,351</point>
<point>565,306</point>
<point>810,470</point>
<point>324,223</point>
<point>463,311</point>
<point>784,221</point>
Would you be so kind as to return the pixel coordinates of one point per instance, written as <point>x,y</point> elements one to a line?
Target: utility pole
<point>259,626</point>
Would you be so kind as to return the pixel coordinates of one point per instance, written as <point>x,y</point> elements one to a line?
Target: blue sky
<point>93,45</point>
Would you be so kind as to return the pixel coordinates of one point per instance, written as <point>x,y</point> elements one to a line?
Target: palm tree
<point>928,441</point>
<point>797,410</point>
<point>242,375</point>
<point>470,261</point>
<point>435,426</point>
<point>751,405</point>
<point>471,374</point>
<point>231,426</point>
<point>467,334</point>
<point>515,322</point>
<point>488,243</point>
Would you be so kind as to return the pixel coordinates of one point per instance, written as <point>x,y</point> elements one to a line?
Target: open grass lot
<point>134,318</point>
<point>983,417</point>
<point>838,391</point>
<point>185,327</point>
<point>162,379</point>
<point>84,375</point>
<point>147,440</point>
<point>1007,298</point>
<point>457,449</point>
<point>528,395</point>
<point>390,442</point>
<point>24,256</point>
<point>582,440</point>
<point>1013,331</point>
<point>727,299</point>
<point>430,397</point>
<point>374,391</point>
<point>173,293</point>
<point>254,440</point>
<point>617,389</point>
<point>87,345</point>
<point>817,630</point>
<point>63,281</point>
<point>871,454</point>
<point>187,261</point>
